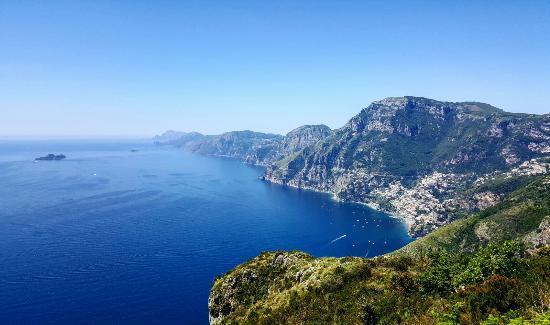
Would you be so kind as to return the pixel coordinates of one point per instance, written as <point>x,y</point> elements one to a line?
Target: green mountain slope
<point>410,156</point>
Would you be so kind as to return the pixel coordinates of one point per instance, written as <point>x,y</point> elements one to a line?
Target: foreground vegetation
<point>489,268</point>
<point>495,285</point>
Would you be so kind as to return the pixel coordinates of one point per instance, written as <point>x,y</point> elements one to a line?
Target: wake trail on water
<point>337,239</point>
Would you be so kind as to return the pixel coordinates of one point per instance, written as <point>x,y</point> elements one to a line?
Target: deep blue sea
<point>113,236</point>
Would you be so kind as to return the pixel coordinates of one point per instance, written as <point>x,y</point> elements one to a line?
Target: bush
<point>399,263</point>
<point>498,294</point>
<point>438,277</point>
<point>496,258</point>
<point>405,283</point>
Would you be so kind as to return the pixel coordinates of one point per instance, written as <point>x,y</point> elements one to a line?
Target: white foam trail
<point>343,236</point>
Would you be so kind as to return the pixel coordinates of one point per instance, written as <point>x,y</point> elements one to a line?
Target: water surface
<point>114,236</point>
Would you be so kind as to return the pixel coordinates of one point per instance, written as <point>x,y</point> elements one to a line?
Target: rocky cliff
<point>414,157</point>
<point>252,147</point>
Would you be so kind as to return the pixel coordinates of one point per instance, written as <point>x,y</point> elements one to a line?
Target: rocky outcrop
<point>539,237</point>
<point>303,137</point>
<point>293,142</point>
<point>245,284</point>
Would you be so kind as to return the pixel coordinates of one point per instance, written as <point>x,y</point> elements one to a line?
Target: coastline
<point>407,222</point>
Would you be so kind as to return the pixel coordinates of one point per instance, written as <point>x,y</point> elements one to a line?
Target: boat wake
<point>337,239</point>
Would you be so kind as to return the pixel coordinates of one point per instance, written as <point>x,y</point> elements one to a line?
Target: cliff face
<point>252,147</point>
<point>411,156</point>
<point>293,142</point>
<point>303,137</point>
<point>238,144</point>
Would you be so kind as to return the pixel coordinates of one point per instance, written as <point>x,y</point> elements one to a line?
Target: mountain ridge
<point>399,143</point>
<point>412,157</point>
<point>252,147</point>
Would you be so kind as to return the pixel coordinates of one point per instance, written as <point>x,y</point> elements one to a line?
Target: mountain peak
<point>308,127</point>
<point>411,102</point>
<point>391,101</point>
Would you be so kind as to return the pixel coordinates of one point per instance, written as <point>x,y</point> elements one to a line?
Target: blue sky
<point>137,68</point>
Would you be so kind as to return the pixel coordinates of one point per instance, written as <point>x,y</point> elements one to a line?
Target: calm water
<point>114,236</point>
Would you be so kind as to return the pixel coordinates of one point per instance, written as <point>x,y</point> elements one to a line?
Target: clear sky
<point>137,68</point>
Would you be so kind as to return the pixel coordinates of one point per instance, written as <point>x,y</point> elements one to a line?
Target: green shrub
<point>439,275</point>
<point>496,258</point>
<point>405,283</point>
<point>497,294</point>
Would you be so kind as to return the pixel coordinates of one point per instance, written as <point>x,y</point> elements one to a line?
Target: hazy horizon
<point>149,136</point>
<point>133,70</point>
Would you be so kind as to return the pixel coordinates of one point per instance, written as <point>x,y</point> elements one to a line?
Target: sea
<point>128,232</point>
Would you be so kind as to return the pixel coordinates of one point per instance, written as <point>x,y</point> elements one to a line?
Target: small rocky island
<point>51,156</point>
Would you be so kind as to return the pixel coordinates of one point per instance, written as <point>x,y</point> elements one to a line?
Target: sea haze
<point>114,236</point>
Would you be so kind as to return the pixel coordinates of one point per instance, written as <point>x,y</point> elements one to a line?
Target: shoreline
<point>406,221</point>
